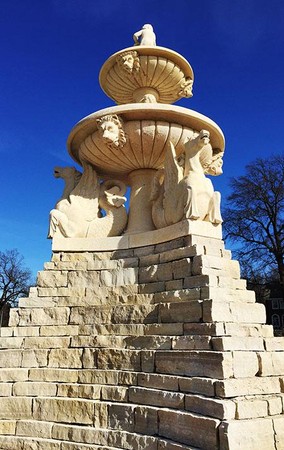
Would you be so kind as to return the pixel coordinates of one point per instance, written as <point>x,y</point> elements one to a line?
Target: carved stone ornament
<point>112,132</point>
<point>145,36</point>
<point>181,190</point>
<point>78,212</point>
<point>186,88</point>
<point>129,62</point>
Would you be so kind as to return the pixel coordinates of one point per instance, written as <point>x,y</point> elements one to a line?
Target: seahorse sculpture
<point>79,211</point>
<point>181,190</point>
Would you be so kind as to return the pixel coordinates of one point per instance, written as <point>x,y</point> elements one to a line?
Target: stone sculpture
<point>129,62</point>
<point>112,132</point>
<point>146,35</point>
<point>78,212</point>
<point>181,190</point>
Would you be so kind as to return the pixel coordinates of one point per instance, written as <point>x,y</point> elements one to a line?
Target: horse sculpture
<point>181,190</point>
<point>78,213</point>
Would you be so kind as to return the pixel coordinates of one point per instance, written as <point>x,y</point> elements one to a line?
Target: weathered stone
<point>119,359</point>
<point>197,385</point>
<point>251,408</point>
<point>114,393</point>
<point>180,312</point>
<point>247,434</point>
<point>65,358</point>
<point>146,420</point>
<point>195,363</point>
<point>15,408</point>
<point>157,398</point>
<point>212,407</point>
<point>247,386</point>
<point>34,429</point>
<point>271,363</point>
<point>245,364</point>
<point>192,343</point>
<point>30,389</point>
<point>64,410</point>
<point>229,343</point>
<point>7,427</point>
<point>52,278</point>
<point>189,429</point>
<point>121,417</point>
<point>157,381</point>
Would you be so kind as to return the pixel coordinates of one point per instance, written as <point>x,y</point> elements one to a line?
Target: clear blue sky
<point>51,54</point>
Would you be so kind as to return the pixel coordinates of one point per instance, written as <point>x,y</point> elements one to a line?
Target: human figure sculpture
<point>181,190</point>
<point>146,35</point>
<point>78,212</point>
<point>112,132</point>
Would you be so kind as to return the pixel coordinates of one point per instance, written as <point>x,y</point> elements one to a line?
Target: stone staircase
<point>159,347</point>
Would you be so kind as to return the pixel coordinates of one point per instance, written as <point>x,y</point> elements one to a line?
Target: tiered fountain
<point>140,333</point>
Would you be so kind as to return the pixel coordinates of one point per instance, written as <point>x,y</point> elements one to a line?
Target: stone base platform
<point>155,347</point>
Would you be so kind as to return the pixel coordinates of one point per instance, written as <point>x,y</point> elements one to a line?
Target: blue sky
<point>51,54</point>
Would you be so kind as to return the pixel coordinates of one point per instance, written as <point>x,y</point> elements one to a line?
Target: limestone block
<point>134,314</point>
<point>181,268</point>
<point>169,245</point>
<point>94,376</point>
<point>274,405</point>
<point>205,264</point>
<point>58,330</point>
<point>65,358</point>
<point>144,251</point>
<point>167,329</point>
<point>204,329</point>
<point>48,374</point>
<point>79,391</point>
<point>71,265</point>
<point>5,389</point>
<point>38,302</point>
<point>189,429</point>
<point>150,288</point>
<point>101,414</point>
<point>192,343</point>
<point>80,434</point>
<point>119,277</point>
<point>34,429</point>
<point>89,315</point>
<point>148,342</point>
<point>180,312</point>
<point>247,386</point>
<point>174,284</point>
<point>30,389</point>
<point>10,358</point>
<point>274,344</point>
<point>146,420</point>
<point>212,407</point>
<point>252,330</point>
<point>35,358</point>
<point>195,363</point>
<point>179,253</point>
<point>119,359</point>
<point>233,283</point>
<point>199,281</point>
<point>7,427</point>
<point>84,279</point>
<point>26,331</point>
<point>13,317</point>
<point>227,293</point>
<point>15,408</point>
<point>158,272</point>
<point>227,343</point>
<point>52,278</point>
<point>114,393</point>
<point>45,316</point>
<point>89,358</point>
<point>123,439</point>
<point>63,410</point>
<point>153,397</point>
<point>148,360</point>
<point>11,342</point>
<point>149,260</point>
<point>127,378</point>
<point>13,374</point>
<point>105,264</point>
<point>121,417</point>
<point>197,385</point>
<point>177,295</point>
<point>245,364</point>
<point>251,408</point>
<point>156,381</point>
<point>117,329</point>
<point>271,363</point>
<point>247,434</point>
<point>47,342</point>
<point>7,332</point>
<point>278,425</point>
<point>252,313</point>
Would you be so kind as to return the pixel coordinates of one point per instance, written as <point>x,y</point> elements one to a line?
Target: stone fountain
<point>140,333</point>
<point>132,143</point>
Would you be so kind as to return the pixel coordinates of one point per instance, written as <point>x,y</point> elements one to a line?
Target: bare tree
<point>15,279</point>
<point>254,219</point>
